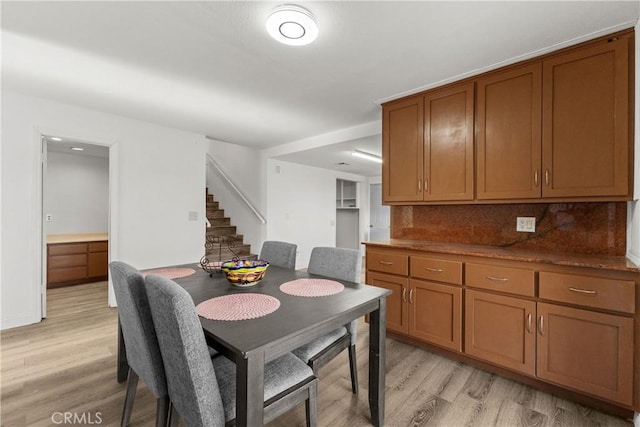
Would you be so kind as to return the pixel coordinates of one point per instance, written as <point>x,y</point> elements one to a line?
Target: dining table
<point>252,343</point>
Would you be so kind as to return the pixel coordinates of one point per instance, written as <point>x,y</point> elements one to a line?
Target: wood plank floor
<point>67,364</point>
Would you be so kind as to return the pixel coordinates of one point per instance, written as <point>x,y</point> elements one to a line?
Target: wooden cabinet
<point>75,263</point>
<point>403,150</point>
<point>587,351</point>
<point>501,330</point>
<point>427,144</point>
<point>585,133</point>
<point>509,134</point>
<point>555,127</point>
<point>575,328</point>
<point>448,144</point>
<point>430,311</point>
<point>435,313</point>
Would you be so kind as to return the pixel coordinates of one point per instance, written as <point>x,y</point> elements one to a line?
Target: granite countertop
<point>620,263</point>
<point>77,237</point>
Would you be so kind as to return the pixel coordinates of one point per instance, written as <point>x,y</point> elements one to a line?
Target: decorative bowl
<point>245,273</point>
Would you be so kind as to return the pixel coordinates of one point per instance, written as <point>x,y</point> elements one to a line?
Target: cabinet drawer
<point>67,248</point>
<point>66,274</point>
<point>387,262</point>
<point>98,246</point>
<point>598,292</point>
<point>62,261</point>
<point>437,269</point>
<point>504,279</point>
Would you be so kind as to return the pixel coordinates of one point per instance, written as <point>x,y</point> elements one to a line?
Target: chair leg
<point>353,365</point>
<point>132,384</point>
<point>174,418</point>
<point>163,406</point>
<point>311,406</point>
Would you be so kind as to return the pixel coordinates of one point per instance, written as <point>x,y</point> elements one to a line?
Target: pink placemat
<point>170,273</point>
<point>312,287</point>
<point>238,307</point>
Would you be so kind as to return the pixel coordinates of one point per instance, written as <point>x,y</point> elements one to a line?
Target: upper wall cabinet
<point>402,150</point>
<point>509,139</point>
<point>553,128</point>
<point>585,125</point>
<point>428,146</point>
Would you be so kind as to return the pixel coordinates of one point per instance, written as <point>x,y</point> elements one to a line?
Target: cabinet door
<point>588,351</point>
<point>98,264</point>
<point>448,139</point>
<point>402,150</point>
<point>435,313</point>
<point>500,330</point>
<point>585,122</point>
<point>509,137</point>
<point>397,316</point>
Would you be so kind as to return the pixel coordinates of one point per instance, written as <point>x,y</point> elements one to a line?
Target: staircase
<point>223,243</point>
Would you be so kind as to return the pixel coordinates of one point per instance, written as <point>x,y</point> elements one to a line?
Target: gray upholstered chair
<point>202,389</point>
<point>280,254</point>
<point>143,353</point>
<point>341,264</point>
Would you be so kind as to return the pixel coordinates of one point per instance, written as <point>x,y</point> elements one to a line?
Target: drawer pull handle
<point>583,291</point>
<point>404,294</point>
<point>411,296</point>
<point>529,322</point>
<point>434,270</point>
<point>497,279</point>
<point>385,262</point>
<point>541,328</point>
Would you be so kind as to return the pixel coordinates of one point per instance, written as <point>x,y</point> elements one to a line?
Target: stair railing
<point>236,189</point>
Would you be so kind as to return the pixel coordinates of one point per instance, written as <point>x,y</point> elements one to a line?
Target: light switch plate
<point>526,224</point>
<point>48,217</point>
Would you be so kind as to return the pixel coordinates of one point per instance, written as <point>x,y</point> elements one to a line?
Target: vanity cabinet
<point>76,262</point>
<point>553,128</point>
<point>427,144</point>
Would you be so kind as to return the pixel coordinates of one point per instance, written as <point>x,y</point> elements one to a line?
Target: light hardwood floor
<point>67,364</point>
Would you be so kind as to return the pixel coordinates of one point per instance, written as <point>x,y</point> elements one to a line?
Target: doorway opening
<point>75,215</point>
<point>380,218</point>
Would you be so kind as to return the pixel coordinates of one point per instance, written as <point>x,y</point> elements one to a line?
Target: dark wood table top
<point>295,322</point>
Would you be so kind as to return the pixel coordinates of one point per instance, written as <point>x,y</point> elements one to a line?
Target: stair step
<point>209,198</point>
<point>221,230</point>
<point>212,205</point>
<point>225,253</point>
<point>216,221</point>
<point>215,213</point>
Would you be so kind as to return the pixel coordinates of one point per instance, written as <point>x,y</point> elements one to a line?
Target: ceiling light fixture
<point>368,156</point>
<point>292,25</point>
<point>77,148</point>
<point>55,138</point>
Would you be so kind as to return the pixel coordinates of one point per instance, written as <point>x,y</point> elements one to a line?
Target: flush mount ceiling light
<point>368,156</point>
<point>77,148</point>
<point>55,138</point>
<point>292,25</point>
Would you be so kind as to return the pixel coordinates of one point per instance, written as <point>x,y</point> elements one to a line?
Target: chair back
<point>337,263</point>
<point>143,353</point>
<point>280,254</point>
<point>191,379</point>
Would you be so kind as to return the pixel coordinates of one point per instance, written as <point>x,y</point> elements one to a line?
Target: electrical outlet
<point>48,217</point>
<point>526,224</point>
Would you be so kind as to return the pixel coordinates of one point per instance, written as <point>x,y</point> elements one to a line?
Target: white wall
<point>243,166</point>
<point>159,178</point>
<point>76,193</point>
<point>301,205</point>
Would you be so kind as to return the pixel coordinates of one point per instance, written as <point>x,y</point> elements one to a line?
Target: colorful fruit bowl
<point>245,273</point>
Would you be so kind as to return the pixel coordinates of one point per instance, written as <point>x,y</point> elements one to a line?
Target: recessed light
<point>292,25</point>
<point>368,156</point>
<point>77,148</point>
<point>55,138</point>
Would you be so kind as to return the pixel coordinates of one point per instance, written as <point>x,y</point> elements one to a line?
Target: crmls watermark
<point>78,418</point>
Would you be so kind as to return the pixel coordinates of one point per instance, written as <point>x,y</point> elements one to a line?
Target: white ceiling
<point>211,68</point>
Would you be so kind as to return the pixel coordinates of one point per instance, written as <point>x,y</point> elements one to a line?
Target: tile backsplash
<point>581,228</point>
